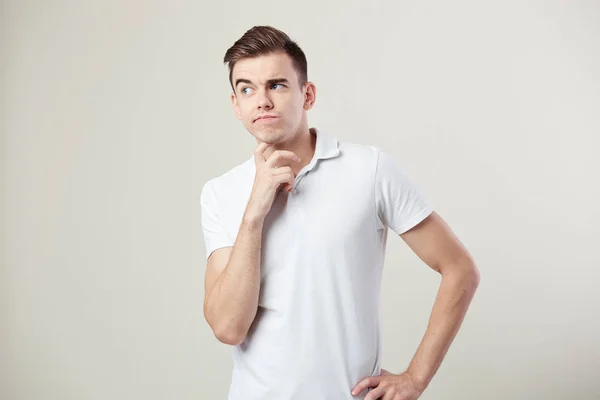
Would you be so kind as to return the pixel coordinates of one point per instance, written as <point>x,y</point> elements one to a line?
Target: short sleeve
<point>215,235</point>
<point>400,203</point>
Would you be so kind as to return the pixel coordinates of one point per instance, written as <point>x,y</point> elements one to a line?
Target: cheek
<point>245,111</point>
<point>294,105</point>
<point>296,109</point>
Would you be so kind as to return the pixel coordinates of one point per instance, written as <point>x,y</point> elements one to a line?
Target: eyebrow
<point>269,82</point>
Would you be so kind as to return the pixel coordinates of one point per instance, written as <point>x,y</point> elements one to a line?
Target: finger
<point>279,155</point>
<point>282,159</point>
<point>390,395</point>
<point>371,381</point>
<point>286,178</point>
<point>286,169</point>
<point>258,152</point>
<point>376,393</point>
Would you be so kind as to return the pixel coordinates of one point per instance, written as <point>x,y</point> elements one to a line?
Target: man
<point>295,239</point>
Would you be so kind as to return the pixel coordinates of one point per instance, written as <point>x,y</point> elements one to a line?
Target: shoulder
<point>362,153</point>
<point>373,159</point>
<point>231,180</point>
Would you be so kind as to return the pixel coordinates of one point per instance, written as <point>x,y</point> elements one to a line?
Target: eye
<point>277,84</point>
<point>244,90</point>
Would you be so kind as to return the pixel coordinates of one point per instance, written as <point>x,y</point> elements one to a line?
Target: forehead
<point>261,68</point>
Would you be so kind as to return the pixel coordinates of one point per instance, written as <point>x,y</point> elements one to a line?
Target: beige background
<point>114,113</point>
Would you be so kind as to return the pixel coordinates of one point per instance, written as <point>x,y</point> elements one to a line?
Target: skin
<point>256,95</point>
<point>232,279</point>
<point>432,240</point>
<point>438,247</point>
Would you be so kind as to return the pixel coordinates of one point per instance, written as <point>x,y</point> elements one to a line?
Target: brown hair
<point>262,40</point>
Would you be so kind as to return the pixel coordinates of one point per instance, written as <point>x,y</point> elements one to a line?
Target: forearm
<point>233,301</point>
<point>451,304</point>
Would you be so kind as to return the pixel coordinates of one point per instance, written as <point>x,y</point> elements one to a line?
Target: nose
<point>264,101</point>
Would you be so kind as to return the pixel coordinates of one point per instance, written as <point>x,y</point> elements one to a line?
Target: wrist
<point>252,220</point>
<point>418,380</point>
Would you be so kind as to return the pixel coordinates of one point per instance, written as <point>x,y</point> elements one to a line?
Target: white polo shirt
<point>317,331</point>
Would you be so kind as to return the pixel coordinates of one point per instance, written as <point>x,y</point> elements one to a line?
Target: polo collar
<point>327,146</point>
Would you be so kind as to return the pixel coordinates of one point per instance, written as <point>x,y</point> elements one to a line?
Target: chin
<point>270,135</point>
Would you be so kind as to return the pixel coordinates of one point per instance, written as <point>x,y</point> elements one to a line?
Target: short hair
<point>263,40</point>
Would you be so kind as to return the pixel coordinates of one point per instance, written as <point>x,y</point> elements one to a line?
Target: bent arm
<point>232,284</point>
<point>435,243</point>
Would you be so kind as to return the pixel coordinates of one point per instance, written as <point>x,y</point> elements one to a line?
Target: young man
<point>295,239</point>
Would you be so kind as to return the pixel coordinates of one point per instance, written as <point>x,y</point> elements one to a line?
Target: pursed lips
<point>265,117</point>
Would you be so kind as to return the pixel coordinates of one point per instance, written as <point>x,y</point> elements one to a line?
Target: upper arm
<point>403,207</point>
<point>436,245</point>
<point>399,202</point>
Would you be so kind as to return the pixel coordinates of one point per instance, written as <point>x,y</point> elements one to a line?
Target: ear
<point>236,107</point>
<point>310,95</point>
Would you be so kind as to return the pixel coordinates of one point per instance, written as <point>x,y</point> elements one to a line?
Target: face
<point>267,86</point>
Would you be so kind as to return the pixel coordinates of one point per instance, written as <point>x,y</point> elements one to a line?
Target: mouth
<point>266,118</point>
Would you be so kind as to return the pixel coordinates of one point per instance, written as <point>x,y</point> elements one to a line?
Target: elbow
<point>229,336</point>
<point>225,331</point>
<point>473,277</point>
<point>466,274</point>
